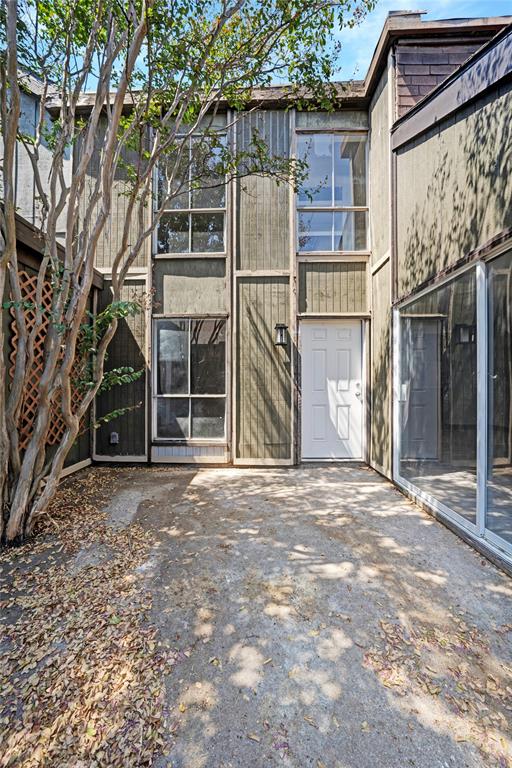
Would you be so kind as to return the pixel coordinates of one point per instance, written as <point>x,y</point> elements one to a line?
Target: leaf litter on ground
<point>81,673</point>
<point>452,665</point>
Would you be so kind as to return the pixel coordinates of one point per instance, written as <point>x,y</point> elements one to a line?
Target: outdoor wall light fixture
<point>281,337</point>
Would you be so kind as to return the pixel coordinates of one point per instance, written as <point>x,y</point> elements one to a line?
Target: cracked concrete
<point>272,589</point>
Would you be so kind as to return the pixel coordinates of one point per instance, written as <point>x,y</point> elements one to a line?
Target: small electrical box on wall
<point>465,334</point>
<point>114,438</point>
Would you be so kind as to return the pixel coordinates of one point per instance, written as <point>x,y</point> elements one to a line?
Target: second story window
<point>332,213</point>
<point>194,219</point>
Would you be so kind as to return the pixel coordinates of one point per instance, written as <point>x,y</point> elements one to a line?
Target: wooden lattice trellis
<point>28,285</point>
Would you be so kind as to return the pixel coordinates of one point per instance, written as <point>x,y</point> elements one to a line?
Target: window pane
<point>315,231</point>
<point>208,417</point>
<point>350,231</point>
<point>317,152</point>
<point>499,483</point>
<point>180,183</point>
<point>172,417</point>
<point>172,357</point>
<point>349,170</point>
<point>207,232</point>
<point>438,395</point>
<point>173,233</point>
<point>207,184</point>
<point>208,357</point>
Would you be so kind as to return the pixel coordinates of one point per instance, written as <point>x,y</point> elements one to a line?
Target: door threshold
<point>332,461</point>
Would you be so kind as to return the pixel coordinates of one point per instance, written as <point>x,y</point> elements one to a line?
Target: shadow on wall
<point>125,349</point>
<point>454,188</point>
<point>263,381</point>
<point>381,397</point>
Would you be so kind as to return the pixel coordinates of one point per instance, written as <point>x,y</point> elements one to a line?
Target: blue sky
<point>359,42</point>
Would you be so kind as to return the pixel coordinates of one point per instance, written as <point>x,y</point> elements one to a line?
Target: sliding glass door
<point>499,470</point>
<point>453,399</point>
<point>437,395</point>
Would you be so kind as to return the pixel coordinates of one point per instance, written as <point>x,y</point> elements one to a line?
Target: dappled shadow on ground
<point>316,617</point>
<point>81,675</point>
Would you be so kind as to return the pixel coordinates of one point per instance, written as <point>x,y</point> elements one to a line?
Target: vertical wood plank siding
<point>126,348</point>
<point>112,234</point>
<point>332,287</point>
<point>380,344</point>
<point>381,370</point>
<point>263,371</point>
<point>454,188</point>
<point>262,205</point>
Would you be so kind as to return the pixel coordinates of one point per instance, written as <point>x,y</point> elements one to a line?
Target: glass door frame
<point>478,529</point>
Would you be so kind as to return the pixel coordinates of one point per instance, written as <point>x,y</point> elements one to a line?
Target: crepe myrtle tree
<point>160,70</point>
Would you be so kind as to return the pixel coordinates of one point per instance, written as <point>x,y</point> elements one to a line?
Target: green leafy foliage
<point>115,414</point>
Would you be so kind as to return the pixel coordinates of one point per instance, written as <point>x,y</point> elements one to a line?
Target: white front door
<point>332,390</point>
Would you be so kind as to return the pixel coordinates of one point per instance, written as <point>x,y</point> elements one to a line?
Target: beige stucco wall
<point>454,189</point>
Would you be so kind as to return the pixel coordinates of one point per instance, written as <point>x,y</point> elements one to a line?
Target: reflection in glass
<point>207,183</point>
<point>437,398</point>
<point>317,152</point>
<point>178,188</point>
<point>172,236</point>
<point>172,355</point>
<point>208,417</point>
<point>499,475</point>
<point>349,170</point>
<point>315,230</point>
<point>332,231</point>
<point>207,232</point>
<point>172,417</point>
<point>350,231</point>
<point>208,357</point>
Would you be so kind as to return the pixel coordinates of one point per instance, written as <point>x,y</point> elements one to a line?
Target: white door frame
<point>364,389</point>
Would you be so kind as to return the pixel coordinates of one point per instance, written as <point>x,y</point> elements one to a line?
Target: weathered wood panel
<point>112,234</point>
<point>263,400</point>
<point>379,162</point>
<point>380,372</point>
<point>331,287</point>
<point>127,348</point>
<point>454,188</point>
<point>263,225</point>
<point>341,120</point>
<point>189,286</point>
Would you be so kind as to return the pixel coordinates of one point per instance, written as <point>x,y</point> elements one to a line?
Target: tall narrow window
<point>194,218</point>
<point>190,369</point>
<point>332,213</point>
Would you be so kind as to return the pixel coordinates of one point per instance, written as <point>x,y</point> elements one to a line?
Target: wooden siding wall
<point>263,370</point>
<point>380,339</point>
<point>332,287</point>
<point>381,372</point>
<point>189,286</point>
<point>263,380</point>
<point>343,119</point>
<point>454,188</point>
<point>262,205</point>
<point>111,236</point>
<point>127,348</point>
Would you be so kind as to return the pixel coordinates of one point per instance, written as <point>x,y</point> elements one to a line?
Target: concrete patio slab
<point>316,617</point>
